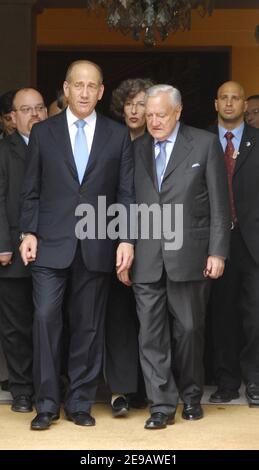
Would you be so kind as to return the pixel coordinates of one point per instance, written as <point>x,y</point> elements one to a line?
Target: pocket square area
<point>195,165</point>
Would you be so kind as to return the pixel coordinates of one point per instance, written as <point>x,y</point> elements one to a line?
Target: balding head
<point>231,87</point>
<point>230,104</point>
<point>29,108</point>
<point>78,64</point>
<point>83,87</point>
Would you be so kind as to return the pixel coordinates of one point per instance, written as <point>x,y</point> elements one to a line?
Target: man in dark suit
<point>75,157</point>
<point>16,307</point>
<point>235,297</point>
<point>7,127</point>
<point>181,165</point>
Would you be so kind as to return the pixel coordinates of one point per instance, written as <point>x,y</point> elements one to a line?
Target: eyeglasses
<point>131,104</point>
<point>30,109</point>
<point>253,112</point>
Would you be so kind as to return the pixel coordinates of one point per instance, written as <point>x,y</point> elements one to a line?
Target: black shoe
<point>120,407</point>
<point>5,385</point>
<point>192,412</point>
<point>223,395</point>
<point>252,394</point>
<point>81,418</point>
<point>136,401</point>
<point>159,421</point>
<point>22,404</point>
<point>43,421</point>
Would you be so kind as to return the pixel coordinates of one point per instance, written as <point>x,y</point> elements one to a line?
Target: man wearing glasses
<point>252,111</point>
<point>15,282</point>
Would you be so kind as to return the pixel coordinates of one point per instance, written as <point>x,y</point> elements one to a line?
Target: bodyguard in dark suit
<point>74,158</point>
<point>235,297</point>
<point>181,165</point>
<point>16,308</point>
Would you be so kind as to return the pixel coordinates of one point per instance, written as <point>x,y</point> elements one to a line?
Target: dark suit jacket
<point>52,191</point>
<point>195,177</point>
<point>13,152</point>
<point>245,186</point>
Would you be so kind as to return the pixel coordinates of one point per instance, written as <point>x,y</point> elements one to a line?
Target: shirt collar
<point>71,118</point>
<point>24,137</point>
<point>237,132</point>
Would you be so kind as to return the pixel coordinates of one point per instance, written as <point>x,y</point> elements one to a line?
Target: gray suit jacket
<point>196,178</point>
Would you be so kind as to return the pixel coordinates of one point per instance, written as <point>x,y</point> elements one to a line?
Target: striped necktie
<point>81,154</point>
<point>160,162</point>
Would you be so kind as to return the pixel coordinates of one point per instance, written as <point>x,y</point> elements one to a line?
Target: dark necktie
<point>230,164</point>
<point>160,162</point>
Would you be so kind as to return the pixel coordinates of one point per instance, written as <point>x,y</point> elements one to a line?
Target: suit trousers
<point>171,339</point>
<point>86,306</point>
<point>121,338</point>
<point>235,318</point>
<point>16,317</point>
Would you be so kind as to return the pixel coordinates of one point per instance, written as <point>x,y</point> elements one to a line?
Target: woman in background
<point>122,368</point>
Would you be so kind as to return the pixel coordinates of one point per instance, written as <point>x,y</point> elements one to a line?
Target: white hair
<point>173,93</point>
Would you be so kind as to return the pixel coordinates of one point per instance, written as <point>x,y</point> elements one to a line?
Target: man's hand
<point>124,257</point>
<point>215,267</point>
<point>6,259</point>
<point>28,248</point>
<point>125,278</point>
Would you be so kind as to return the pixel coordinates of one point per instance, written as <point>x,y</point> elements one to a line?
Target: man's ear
<point>179,109</point>
<point>101,91</point>
<point>13,116</point>
<point>66,88</point>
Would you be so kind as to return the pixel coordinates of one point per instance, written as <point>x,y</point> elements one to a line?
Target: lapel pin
<point>248,143</point>
<point>235,154</point>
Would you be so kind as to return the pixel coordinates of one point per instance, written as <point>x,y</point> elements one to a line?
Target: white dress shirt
<point>88,129</point>
<point>169,146</point>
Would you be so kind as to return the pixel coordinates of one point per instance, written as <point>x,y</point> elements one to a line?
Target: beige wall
<point>75,28</point>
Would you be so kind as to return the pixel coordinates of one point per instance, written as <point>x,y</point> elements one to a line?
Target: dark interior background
<point>197,74</point>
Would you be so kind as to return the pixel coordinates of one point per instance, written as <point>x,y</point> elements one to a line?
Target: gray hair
<point>174,93</point>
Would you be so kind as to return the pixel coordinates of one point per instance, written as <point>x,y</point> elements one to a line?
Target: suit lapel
<point>101,137</point>
<point>246,145</point>
<point>19,147</point>
<point>181,150</point>
<point>148,157</point>
<point>59,129</point>
<point>60,133</point>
